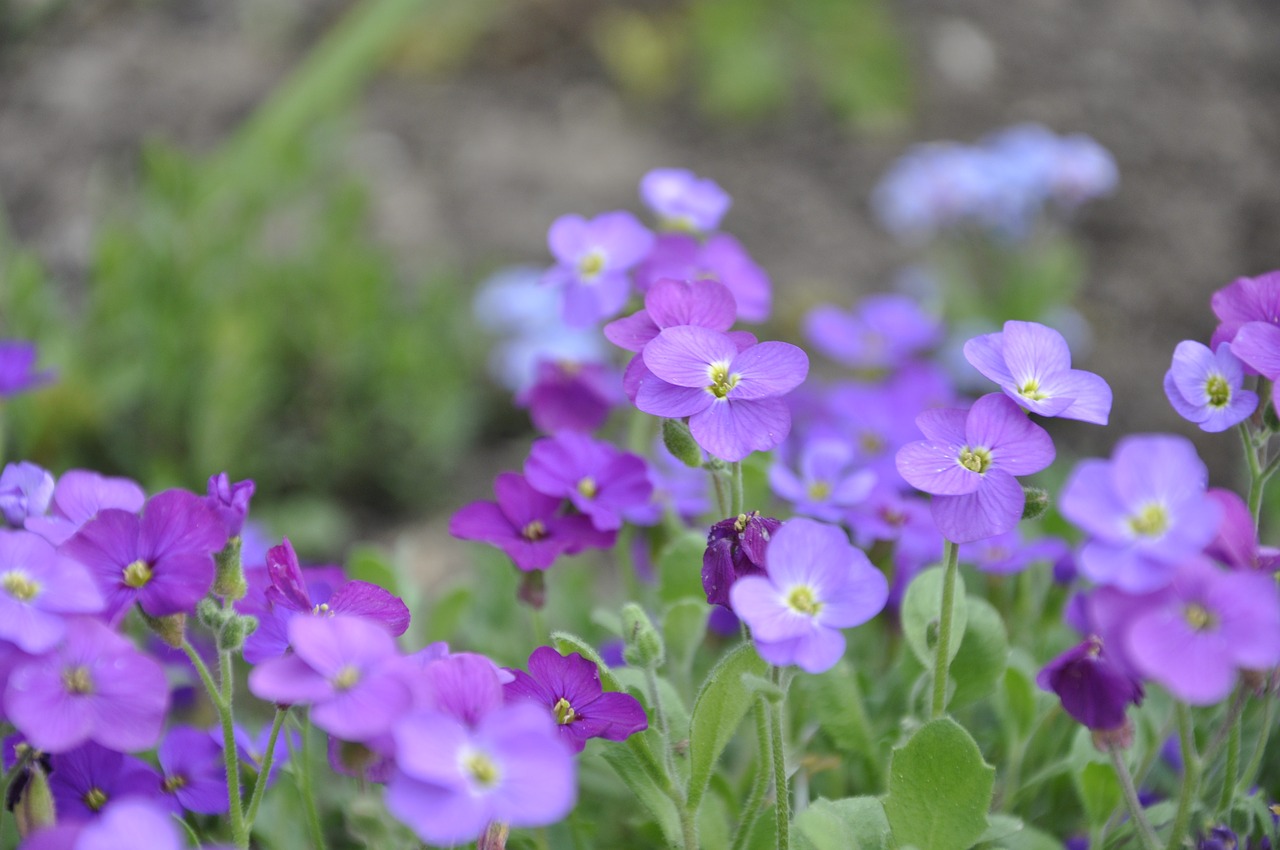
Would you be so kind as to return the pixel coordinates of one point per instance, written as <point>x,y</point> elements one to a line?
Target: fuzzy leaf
<point>717,711</point>
<point>939,789</point>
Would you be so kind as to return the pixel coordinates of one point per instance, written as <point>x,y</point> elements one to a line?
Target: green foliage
<point>856,823</point>
<point>719,708</point>
<point>980,662</point>
<point>939,789</point>
<point>920,609</point>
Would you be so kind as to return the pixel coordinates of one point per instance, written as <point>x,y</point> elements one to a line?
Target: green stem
<point>943,660</point>
<point>1260,746</point>
<point>308,793</point>
<point>1233,766</point>
<point>660,717</point>
<point>538,622</point>
<point>264,770</point>
<point>1145,833</point>
<point>1190,776</point>
<point>220,694</point>
<point>722,493</point>
<point>781,788</point>
<point>1256,476</point>
<point>738,505</point>
<point>760,782</point>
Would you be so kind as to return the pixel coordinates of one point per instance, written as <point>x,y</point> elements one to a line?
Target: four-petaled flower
<point>1207,387</point>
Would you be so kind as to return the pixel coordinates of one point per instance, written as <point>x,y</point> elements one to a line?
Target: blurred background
<point>248,234</point>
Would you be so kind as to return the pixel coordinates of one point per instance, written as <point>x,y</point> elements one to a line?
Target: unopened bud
<point>1119,738</point>
<point>1037,503</point>
<point>212,615</point>
<point>34,808</point>
<point>229,580</point>
<point>679,441</point>
<point>1269,418</point>
<point>533,589</point>
<point>643,643</point>
<point>232,636</point>
<point>495,836</point>
<point>171,628</point>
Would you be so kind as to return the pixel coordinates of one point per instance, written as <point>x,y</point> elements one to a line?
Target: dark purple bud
<point>231,501</point>
<point>1218,838</point>
<point>735,548</point>
<point>1093,690</point>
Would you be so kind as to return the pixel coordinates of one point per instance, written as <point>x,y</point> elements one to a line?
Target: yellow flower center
<point>322,609</point>
<point>137,574</point>
<point>1030,390</point>
<point>590,266</point>
<point>740,523</point>
<point>975,460</point>
<point>1218,390</point>
<point>1199,617</point>
<point>95,798</point>
<point>535,530</point>
<point>19,585</point>
<point>820,491</point>
<point>564,712</point>
<point>347,678</point>
<point>801,599</point>
<point>481,769</point>
<point>721,381</point>
<point>587,487</point>
<point>173,783</point>
<point>1151,521</point>
<point>77,680</point>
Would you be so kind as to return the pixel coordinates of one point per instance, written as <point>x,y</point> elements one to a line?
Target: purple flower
<point>194,773</point>
<point>1093,690</point>
<point>671,303</point>
<point>25,490</point>
<point>17,368</point>
<point>683,200</point>
<point>163,559</point>
<point>252,749</point>
<point>968,462</point>
<point>95,687</point>
<point>231,501</point>
<point>132,822</point>
<point>1145,509</point>
<point>735,548</point>
<point>733,399</point>
<point>882,332</point>
<point>346,668</point>
<point>1245,300</point>
<point>1009,553</point>
<point>596,477</point>
<point>37,588</point>
<point>289,591</point>
<point>1032,365</point>
<point>524,524</point>
<point>592,261</point>
<point>676,256</point>
<point>568,395</point>
<point>84,781</point>
<point>828,483</point>
<point>816,584</point>
<point>78,497</point>
<point>1207,387</point>
<point>1236,545</point>
<point>454,779</point>
<point>569,689</point>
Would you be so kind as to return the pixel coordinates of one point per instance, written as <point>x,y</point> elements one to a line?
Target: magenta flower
<point>1236,545</point>
<point>512,766</point>
<point>289,591</point>
<point>733,399</point>
<point>17,368</point>
<point>78,497</point>
<point>231,501</point>
<point>816,584</point>
<point>163,559</point>
<point>1145,509</point>
<point>95,687</point>
<point>683,200</point>
<point>1032,365</point>
<point>194,773</point>
<point>671,303</point>
<point>735,548</point>
<point>828,484</point>
<point>38,588</point>
<point>1093,690</point>
<point>1207,387</point>
<point>881,333</point>
<point>596,477</point>
<point>1243,301</point>
<point>592,261</point>
<point>568,688</point>
<point>25,490</point>
<point>677,256</point>
<point>567,395</point>
<point>968,462</point>
<point>525,524</point>
<point>90,780</point>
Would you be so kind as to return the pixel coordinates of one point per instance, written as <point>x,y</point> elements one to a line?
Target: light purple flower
<point>95,687</point>
<point>1245,300</point>
<point>1145,509</point>
<point>1009,553</point>
<point>38,587</point>
<point>733,398</point>
<point>670,303</point>
<point>592,261</point>
<point>1236,545</point>
<point>568,688</point>
<point>346,668</point>
<point>78,497</point>
<point>252,749</point>
<point>194,773</point>
<point>599,479</point>
<point>568,395</point>
<point>816,584</point>
<point>25,490</point>
<point>1032,365</point>
<point>880,333</point>
<point>132,822</point>
<point>968,462</point>
<point>1257,344</point>
<point>163,559</point>
<point>829,482</point>
<point>683,200</point>
<point>525,524</point>
<point>1207,387</point>
<point>17,368</point>
<point>231,501</point>
<point>677,256</point>
<point>454,779</point>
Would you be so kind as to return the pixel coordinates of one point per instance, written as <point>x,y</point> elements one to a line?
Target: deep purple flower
<point>968,462</point>
<point>1245,300</point>
<point>1145,509</point>
<point>346,668</point>
<point>568,688</point>
<point>600,480</point>
<point>1236,545</point>
<point>567,395</point>
<point>231,501</point>
<point>676,256</point>
<point>735,548</point>
<point>289,590</point>
<point>38,587</point>
<point>733,399</point>
<point>524,524</point>
<point>815,584</point>
<point>1032,365</point>
<point>829,482</point>
<point>25,490</point>
<point>1093,690</point>
<point>683,200</point>
<point>194,773</point>
<point>453,780</point>
<point>1207,387</point>
<point>17,368</point>
<point>592,261</point>
<point>85,780</point>
<point>163,559</point>
<point>880,333</point>
<point>94,687</point>
<point>78,497</point>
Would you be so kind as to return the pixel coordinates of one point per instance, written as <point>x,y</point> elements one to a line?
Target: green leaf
<point>371,564</point>
<point>1019,700</point>
<point>566,643</point>
<point>717,711</point>
<point>680,568</point>
<point>1099,791</point>
<point>854,823</point>
<point>921,608</point>
<point>642,784</point>
<point>939,788</point>
<point>1000,827</point>
<point>1029,838</point>
<point>683,628</point>
<point>983,656</point>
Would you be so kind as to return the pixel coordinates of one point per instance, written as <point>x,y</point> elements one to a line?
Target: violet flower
<point>38,587</point>
<point>1093,690</point>
<point>881,332</point>
<point>1207,387</point>
<point>828,484</point>
<point>735,548</point>
<point>25,490</point>
<point>733,398</point>
<point>592,261</point>
<point>86,780</point>
<point>968,462</point>
<point>720,257</point>
<point>1032,365</point>
<point>163,559</point>
<point>17,368</point>
<point>600,480</point>
<point>1009,553</point>
<point>78,497</point>
<point>1236,545</point>
<point>289,590</point>
<point>671,303</point>
<point>231,501</point>
<point>193,770</point>
<point>1145,509</point>
<point>568,688</point>
<point>1245,300</point>
<point>132,822</point>
<point>815,584</point>
<point>568,395</point>
<point>683,200</point>
<point>252,749</point>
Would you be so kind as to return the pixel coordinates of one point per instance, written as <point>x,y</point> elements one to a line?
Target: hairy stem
<point>751,809</point>
<point>264,770</point>
<point>1145,833</point>
<point>1190,776</point>
<point>942,660</point>
<point>782,790</point>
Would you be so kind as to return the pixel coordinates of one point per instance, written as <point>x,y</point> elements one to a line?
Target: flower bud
<point>679,441</point>
<point>171,628</point>
<point>34,807</point>
<point>233,633</point>
<point>229,580</point>
<point>1036,504</point>
<point>643,643</point>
